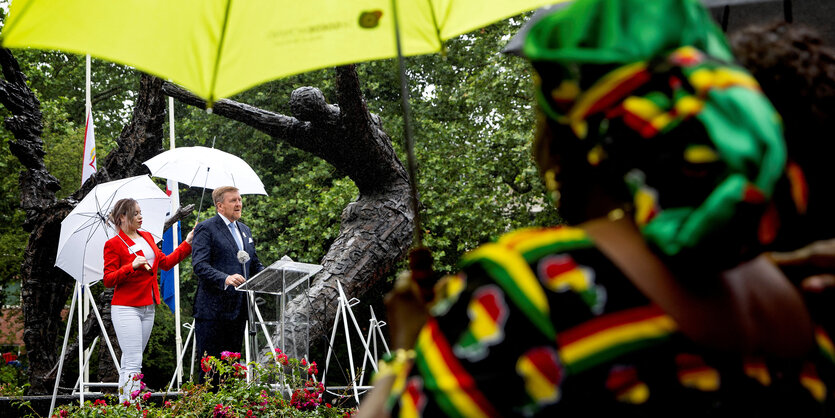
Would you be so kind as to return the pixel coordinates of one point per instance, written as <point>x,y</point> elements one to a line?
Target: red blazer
<point>136,287</point>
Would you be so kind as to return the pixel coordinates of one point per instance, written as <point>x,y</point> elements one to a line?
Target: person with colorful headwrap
<point>664,155</point>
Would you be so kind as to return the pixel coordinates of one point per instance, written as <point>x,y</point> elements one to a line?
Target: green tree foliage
<point>473,127</point>
<point>12,238</point>
<point>473,118</point>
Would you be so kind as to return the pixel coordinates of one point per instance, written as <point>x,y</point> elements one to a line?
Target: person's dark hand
<point>820,254</point>
<point>818,283</point>
<point>819,257</point>
<point>406,312</point>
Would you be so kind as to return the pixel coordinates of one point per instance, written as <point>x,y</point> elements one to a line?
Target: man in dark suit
<point>220,311</point>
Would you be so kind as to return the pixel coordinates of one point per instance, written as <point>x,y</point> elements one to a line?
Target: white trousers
<point>133,326</point>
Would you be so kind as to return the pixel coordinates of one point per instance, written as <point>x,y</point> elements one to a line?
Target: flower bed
<point>284,387</point>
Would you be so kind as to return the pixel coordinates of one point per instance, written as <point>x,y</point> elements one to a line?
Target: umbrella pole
<point>205,182</point>
<point>200,207</point>
<point>420,257</point>
<point>411,162</point>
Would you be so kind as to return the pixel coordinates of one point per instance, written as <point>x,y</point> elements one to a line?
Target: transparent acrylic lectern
<point>287,281</point>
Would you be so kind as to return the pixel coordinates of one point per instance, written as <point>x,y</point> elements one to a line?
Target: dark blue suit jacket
<point>213,257</point>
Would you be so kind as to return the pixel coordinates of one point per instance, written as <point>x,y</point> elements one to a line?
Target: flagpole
<point>178,337</point>
<point>88,101</point>
<point>88,108</point>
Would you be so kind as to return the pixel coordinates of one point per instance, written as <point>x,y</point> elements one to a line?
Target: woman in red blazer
<point>131,261</point>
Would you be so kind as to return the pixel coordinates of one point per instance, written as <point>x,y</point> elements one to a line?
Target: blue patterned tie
<point>236,236</point>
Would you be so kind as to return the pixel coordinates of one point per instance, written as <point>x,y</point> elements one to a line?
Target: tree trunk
<point>376,230</point>
<point>45,288</point>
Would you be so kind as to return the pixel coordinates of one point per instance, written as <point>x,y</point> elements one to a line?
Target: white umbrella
<point>85,230</point>
<point>208,168</point>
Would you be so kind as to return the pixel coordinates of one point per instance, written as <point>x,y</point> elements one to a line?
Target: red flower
<point>312,369</point>
<point>101,402</point>
<point>230,356</point>
<point>221,411</point>
<point>304,362</point>
<point>205,365</point>
<point>240,370</point>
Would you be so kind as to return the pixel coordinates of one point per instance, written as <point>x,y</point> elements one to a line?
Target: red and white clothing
<point>137,287</point>
<point>136,292</point>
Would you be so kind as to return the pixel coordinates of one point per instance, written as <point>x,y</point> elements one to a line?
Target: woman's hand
<point>190,236</point>
<point>140,261</point>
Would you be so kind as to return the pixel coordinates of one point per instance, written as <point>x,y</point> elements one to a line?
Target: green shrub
<point>285,387</point>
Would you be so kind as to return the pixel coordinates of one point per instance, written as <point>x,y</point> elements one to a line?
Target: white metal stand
<point>81,385</point>
<point>180,354</point>
<point>343,311</point>
<point>374,330</point>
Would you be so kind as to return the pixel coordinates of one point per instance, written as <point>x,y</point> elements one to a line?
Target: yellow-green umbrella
<point>216,48</point>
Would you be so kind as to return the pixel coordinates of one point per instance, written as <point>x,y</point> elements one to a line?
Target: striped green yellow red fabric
<point>485,354</point>
<point>542,372</point>
<point>610,336</point>
<point>488,312</point>
<point>511,271</point>
<point>825,345</point>
<point>456,391</point>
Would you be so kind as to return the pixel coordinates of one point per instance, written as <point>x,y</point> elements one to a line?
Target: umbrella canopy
<point>208,168</point>
<point>217,48</point>
<point>85,230</point>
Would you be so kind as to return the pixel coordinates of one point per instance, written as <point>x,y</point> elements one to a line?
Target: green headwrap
<point>646,86</point>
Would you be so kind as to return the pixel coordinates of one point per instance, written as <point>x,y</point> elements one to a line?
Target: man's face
<point>230,206</point>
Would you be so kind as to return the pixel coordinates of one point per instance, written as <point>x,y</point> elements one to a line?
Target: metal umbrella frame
<point>88,223</point>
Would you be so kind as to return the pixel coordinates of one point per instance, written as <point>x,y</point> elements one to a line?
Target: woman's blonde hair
<point>122,207</point>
